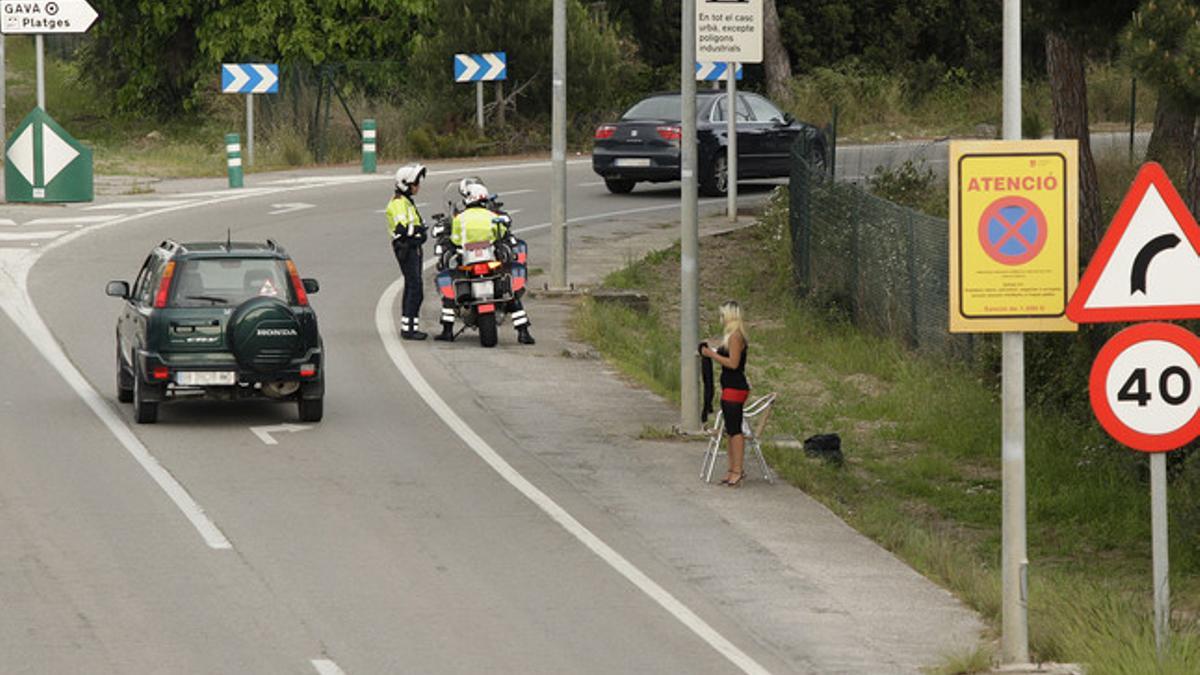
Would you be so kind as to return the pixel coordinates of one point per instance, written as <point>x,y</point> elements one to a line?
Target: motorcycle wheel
<point>487,329</point>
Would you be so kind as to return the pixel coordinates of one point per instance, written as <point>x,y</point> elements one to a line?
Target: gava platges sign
<point>45,16</point>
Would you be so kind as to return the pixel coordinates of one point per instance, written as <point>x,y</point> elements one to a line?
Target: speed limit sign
<point>1145,387</point>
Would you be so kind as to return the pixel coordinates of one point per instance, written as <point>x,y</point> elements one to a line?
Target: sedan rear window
<point>227,282</point>
<point>655,108</point>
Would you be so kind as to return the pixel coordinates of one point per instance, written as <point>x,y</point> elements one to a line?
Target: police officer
<point>408,234</point>
<point>477,222</point>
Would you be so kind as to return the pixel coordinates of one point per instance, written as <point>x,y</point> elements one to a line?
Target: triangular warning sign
<point>1147,266</point>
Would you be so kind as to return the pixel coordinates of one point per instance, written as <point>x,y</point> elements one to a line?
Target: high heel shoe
<point>736,482</point>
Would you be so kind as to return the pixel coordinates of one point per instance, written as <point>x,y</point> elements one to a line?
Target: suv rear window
<point>201,282</point>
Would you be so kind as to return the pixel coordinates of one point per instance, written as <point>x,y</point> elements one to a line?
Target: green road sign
<point>45,163</point>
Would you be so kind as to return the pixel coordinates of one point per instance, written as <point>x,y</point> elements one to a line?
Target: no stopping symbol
<point>1013,230</point>
<point>1145,387</point>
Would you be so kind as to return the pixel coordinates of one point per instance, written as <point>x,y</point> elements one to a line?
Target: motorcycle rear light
<point>160,373</point>
<point>164,285</point>
<point>605,132</point>
<point>670,133</point>
<point>301,296</point>
<point>495,265</point>
<point>482,268</point>
<point>308,370</point>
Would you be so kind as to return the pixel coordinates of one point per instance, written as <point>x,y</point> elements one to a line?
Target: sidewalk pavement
<point>816,593</point>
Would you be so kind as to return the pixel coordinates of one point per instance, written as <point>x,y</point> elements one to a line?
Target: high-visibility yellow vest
<point>403,218</point>
<point>474,225</point>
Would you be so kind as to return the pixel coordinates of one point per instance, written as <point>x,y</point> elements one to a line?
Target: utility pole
<point>558,152</point>
<point>1014,561</point>
<point>689,239</point>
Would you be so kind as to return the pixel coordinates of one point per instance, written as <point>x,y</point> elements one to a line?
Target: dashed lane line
<point>327,667</point>
<point>74,220</point>
<point>28,236</point>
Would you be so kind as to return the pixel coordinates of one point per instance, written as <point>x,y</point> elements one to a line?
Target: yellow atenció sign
<point>1014,242</point>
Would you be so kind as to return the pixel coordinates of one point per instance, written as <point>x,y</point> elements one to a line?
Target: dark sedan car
<point>644,144</point>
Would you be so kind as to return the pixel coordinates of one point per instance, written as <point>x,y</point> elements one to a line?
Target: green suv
<point>219,320</point>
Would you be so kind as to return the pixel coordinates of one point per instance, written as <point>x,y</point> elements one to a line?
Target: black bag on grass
<point>825,446</point>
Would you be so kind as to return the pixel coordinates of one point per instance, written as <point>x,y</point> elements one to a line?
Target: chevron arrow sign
<point>711,72</point>
<point>249,78</point>
<point>480,67</point>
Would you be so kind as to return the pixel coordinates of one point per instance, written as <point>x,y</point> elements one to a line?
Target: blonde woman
<point>735,389</point>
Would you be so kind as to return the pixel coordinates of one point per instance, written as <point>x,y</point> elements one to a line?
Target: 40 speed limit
<point>1145,387</point>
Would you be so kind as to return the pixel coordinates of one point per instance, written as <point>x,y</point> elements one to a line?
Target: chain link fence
<point>882,266</point>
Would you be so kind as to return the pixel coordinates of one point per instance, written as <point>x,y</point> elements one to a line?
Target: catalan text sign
<point>1145,387</point>
<point>1013,235</point>
<point>1147,264</point>
<point>18,17</point>
<point>249,78</point>
<point>713,72</point>
<point>729,30</point>
<point>480,67</point>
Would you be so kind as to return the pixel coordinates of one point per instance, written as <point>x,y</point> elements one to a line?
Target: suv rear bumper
<point>311,386</point>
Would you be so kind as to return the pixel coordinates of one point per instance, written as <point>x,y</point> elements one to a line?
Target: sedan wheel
<point>714,182</point>
<point>619,186</point>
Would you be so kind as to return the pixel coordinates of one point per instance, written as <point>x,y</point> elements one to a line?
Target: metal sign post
<point>689,239</point>
<point>40,69</point>
<point>479,104</point>
<point>558,152</point>
<point>1158,545</point>
<point>249,129</point>
<point>731,147</point>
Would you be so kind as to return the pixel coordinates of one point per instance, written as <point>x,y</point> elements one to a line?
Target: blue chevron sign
<point>709,71</point>
<point>249,78</point>
<point>480,67</point>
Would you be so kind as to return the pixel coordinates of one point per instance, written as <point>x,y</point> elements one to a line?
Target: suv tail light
<point>605,132</point>
<point>160,373</point>
<point>164,285</point>
<point>297,284</point>
<point>670,133</point>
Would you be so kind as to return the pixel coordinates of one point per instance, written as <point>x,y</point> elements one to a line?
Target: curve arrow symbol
<point>1141,264</point>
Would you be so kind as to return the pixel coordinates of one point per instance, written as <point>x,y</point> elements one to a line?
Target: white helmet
<point>408,176</point>
<point>473,191</point>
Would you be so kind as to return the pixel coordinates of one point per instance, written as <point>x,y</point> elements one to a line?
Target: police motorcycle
<point>480,279</point>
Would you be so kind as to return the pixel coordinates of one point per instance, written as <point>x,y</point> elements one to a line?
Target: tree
<point>1072,27</point>
<point>1163,46</point>
<point>776,62</point>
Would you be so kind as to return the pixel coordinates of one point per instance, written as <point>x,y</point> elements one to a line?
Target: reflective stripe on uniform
<point>401,212</point>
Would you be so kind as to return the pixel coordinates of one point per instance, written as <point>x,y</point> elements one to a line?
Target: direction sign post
<point>38,17</point>
<point>480,68</point>
<point>249,79</point>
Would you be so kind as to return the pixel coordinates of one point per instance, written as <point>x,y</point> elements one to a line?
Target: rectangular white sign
<point>729,30</point>
<point>45,16</point>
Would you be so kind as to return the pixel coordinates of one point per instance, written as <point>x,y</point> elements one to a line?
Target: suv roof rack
<point>172,246</point>
<point>272,245</point>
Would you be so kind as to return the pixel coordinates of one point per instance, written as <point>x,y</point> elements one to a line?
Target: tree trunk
<point>1192,194</point>
<point>776,63</point>
<point>1068,86</point>
<point>1172,136</point>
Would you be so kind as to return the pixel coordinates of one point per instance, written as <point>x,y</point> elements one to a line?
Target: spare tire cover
<point>264,334</point>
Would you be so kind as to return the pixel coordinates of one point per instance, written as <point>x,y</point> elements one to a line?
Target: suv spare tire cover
<point>264,334</point>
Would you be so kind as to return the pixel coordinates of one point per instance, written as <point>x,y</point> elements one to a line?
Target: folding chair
<point>760,411</point>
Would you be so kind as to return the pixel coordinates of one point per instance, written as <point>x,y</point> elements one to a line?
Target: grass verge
<point>922,476</point>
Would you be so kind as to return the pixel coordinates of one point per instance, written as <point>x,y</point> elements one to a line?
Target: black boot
<point>447,334</point>
<point>524,337</point>
<point>414,335</point>
<point>409,328</point>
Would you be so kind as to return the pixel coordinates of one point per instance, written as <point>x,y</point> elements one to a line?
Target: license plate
<point>482,289</point>
<point>206,378</point>
<point>631,161</point>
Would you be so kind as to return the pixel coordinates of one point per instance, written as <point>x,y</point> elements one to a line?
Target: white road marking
<point>26,236</point>
<point>8,222</point>
<point>595,183</point>
<point>327,667</point>
<point>509,193</point>
<point>138,205</point>
<point>386,327</point>
<point>73,220</point>
<point>289,207</point>
<point>18,305</point>
<point>264,433</point>
<point>225,193</point>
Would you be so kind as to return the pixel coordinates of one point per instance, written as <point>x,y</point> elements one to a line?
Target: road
<point>414,529</point>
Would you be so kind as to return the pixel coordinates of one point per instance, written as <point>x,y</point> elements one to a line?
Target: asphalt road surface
<point>228,538</point>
